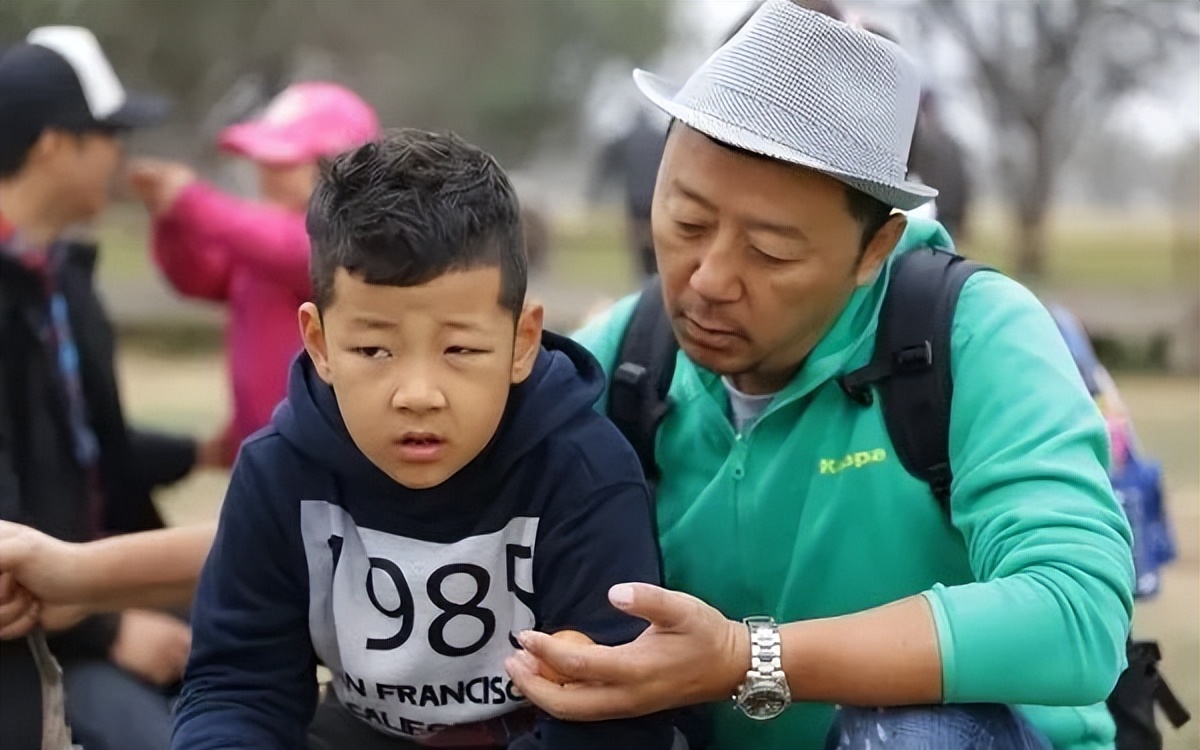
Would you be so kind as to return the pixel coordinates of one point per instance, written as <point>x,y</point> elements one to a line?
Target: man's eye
<point>372,352</point>
<point>768,258</point>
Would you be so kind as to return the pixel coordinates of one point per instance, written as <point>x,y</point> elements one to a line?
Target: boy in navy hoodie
<point>435,482</point>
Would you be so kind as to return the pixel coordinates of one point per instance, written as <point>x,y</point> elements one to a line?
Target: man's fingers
<point>14,606</point>
<point>576,661</point>
<point>667,610</point>
<point>573,701</point>
<point>13,598</point>
<point>21,626</point>
<point>18,614</point>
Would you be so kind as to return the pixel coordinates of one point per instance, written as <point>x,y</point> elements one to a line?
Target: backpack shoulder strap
<point>910,366</point>
<point>641,377</point>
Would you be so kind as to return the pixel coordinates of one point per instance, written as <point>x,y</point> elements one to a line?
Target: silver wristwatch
<point>765,693</point>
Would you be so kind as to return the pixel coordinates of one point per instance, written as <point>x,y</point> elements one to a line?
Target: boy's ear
<point>313,332</point>
<point>528,341</point>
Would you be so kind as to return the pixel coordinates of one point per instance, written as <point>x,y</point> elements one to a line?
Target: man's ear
<point>312,330</point>
<point>47,145</point>
<point>879,248</point>
<point>528,341</point>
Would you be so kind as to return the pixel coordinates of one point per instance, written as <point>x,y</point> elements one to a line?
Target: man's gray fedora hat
<point>798,86</point>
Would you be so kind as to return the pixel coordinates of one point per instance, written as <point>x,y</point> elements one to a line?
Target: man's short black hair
<point>410,207</point>
<point>870,213</point>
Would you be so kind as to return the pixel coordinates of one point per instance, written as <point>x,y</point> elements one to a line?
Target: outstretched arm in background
<point>201,233</point>
<point>148,569</point>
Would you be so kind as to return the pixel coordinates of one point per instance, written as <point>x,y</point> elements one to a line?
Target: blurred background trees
<point>507,75</point>
<point>1049,72</point>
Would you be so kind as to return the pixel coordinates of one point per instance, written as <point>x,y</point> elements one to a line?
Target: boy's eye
<point>372,352</point>
<point>463,350</point>
<point>689,228</point>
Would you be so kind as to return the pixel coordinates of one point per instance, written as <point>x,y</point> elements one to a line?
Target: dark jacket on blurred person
<point>633,161</point>
<point>51,489</point>
<point>41,481</point>
<point>940,160</point>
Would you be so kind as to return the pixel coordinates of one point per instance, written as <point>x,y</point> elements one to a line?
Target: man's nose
<point>717,277</point>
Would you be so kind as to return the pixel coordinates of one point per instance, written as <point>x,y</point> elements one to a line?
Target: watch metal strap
<point>766,647</point>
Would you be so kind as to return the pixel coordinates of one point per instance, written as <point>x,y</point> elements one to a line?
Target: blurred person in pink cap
<point>253,254</point>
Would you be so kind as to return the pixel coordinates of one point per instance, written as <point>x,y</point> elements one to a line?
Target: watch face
<point>764,702</point>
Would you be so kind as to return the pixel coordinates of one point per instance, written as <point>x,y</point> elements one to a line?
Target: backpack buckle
<point>913,359</point>
<point>629,373</point>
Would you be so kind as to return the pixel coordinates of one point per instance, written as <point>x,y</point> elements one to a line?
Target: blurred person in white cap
<point>69,465</point>
<point>253,254</point>
<point>984,604</point>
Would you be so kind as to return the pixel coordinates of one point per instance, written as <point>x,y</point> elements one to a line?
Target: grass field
<point>188,393</point>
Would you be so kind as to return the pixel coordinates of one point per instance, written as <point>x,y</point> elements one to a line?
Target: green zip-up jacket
<point>809,514</point>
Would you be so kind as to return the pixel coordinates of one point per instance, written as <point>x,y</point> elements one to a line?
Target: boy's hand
<point>18,609</point>
<point>158,182</point>
<point>151,645</point>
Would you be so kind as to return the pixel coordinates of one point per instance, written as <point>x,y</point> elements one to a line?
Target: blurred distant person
<point>633,160</point>
<point>940,160</point>
<point>69,465</point>
<point>253,254</point>
<point>537,237</point>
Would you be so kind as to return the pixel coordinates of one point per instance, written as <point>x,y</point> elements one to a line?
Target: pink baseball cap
<point>305,122</point>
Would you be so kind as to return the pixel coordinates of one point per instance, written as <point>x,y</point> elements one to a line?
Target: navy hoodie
<point>411,597</point>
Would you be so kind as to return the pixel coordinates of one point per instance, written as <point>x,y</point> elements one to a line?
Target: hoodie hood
<point>563,386</point>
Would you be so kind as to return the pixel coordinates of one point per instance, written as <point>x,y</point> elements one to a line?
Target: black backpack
<point>910,373</point>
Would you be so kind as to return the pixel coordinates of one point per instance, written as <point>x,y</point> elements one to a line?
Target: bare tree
<point>1047,70</point>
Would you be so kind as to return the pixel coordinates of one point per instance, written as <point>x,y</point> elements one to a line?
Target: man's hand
<point>158,183</point>
<point>152,645</point>
<point>56,617</point>
<point>18,609</point>
<point>46,567</point>
<point>690,654</point>
<point>37,570</point>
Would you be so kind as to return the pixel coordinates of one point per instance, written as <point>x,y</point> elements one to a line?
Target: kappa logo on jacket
<point>855,460</point>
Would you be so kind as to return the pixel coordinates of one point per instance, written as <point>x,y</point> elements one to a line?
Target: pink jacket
<point>255,257</point>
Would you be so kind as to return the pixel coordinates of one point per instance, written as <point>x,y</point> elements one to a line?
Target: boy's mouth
<point>421,438</point>
<point>420,447</point>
